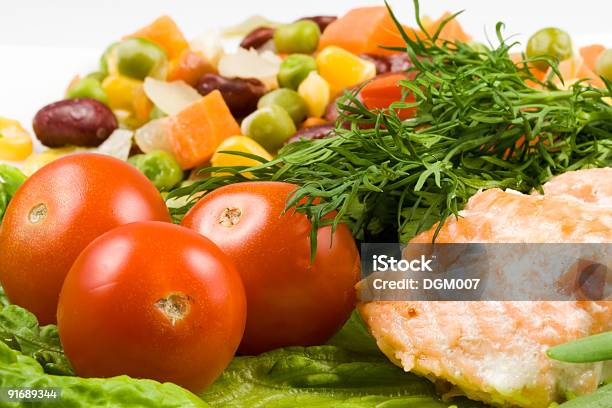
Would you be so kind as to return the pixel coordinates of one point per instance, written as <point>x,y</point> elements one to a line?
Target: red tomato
<point>383,90</point>
<point>290,301</point>
<point>56,213</point>
<point>152,300</point>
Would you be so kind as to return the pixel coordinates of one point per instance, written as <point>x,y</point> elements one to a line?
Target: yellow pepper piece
<point>342,69</point>
<point>315,92</point>
<point>240,144</point>
<point>38,160</point>
<point>127,94</point>
<point>15,141</point>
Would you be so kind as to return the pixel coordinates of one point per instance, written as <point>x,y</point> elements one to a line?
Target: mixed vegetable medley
<point>188,234</point>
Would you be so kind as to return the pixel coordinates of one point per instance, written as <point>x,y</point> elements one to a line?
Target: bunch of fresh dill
<point>478,125</point>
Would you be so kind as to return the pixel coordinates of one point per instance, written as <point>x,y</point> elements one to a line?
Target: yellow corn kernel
<point>15,141</point>
<point>127,94</point>
<point>315,92</point>
<point>342,69</point>
<point>240,144</point>
<point>38,160</point>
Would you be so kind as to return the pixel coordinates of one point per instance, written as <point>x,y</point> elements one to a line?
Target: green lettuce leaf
<point>20,331</point>
<point>11,178</point>
<point>354,336</point>
<point>602,398</point>
<point>20,371</point>
<point>323,376</point>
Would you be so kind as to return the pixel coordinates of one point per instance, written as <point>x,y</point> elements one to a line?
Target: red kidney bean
<point>257,38</point>
<point>240,94</point>
<point>322,21</point>
<point>380,61</point>
<point>388,63</point>
<point>399,62</point>
<point>312,133</point>
<point>77,122</point>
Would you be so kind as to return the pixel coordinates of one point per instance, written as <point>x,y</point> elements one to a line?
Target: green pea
<point>269,126</point>
<point>107,59</point>
<point>97,75</point>
<point>139,58</point>
<point>603,66</point>
<point>87,87</point>
<point>549,42</point>
<point>294,69</point>
<point>159,167</point>
<point>287,99</point>
<point>301,36</point>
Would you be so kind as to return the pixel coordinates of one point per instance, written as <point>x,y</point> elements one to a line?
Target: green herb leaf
<point>478,125</point>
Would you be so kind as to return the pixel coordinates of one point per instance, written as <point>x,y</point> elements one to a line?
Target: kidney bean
<point>380,61</point>
<point>322,21</point>
<point>312,133</point>
<point>240,94</point>
<point>388,63</point>
<point>257,38</point>
<point>77,122</point>
<point>399,62</point>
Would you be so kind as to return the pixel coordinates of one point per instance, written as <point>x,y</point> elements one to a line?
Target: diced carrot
<point>383,90</point>
<point>575,69</point>
<point>165,33</point>
<point>517,58</point>
<point>590,54</point>
<point>189,67</point>
<point>452,31</point>
<point>363,29</point>
<point>197,131</point>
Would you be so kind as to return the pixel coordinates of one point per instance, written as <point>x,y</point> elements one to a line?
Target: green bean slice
<point>586,350</point>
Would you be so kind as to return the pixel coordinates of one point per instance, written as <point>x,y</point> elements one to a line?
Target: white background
<point>44,43</point>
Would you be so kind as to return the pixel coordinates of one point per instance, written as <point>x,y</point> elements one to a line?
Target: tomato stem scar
<point>230,217</point>
<point>37,213</point>
<point>174,306</point>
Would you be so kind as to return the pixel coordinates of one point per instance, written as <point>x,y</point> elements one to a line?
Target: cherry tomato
<point>152,300</point>
<point>290,300</point>
<point>57,212</point>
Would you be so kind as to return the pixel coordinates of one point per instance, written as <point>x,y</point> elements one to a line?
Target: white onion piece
<point>251,64</point>
<point>209,44</point>
<point>117,145</point>
<point>170,97</point>
<point>152,136</point>
<point>245,27</point>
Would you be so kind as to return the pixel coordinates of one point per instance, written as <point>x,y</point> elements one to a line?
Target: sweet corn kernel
<point>315,91</point>
<point>240,144</point>
<point>15,141</point>
<point>127,94</point>
<point>342,69</point>
<point>38,160</point>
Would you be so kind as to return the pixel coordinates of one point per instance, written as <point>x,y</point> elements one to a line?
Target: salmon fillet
<point>495,351</point>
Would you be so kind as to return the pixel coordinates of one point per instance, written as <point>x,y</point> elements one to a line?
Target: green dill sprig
<point>478,125</point>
